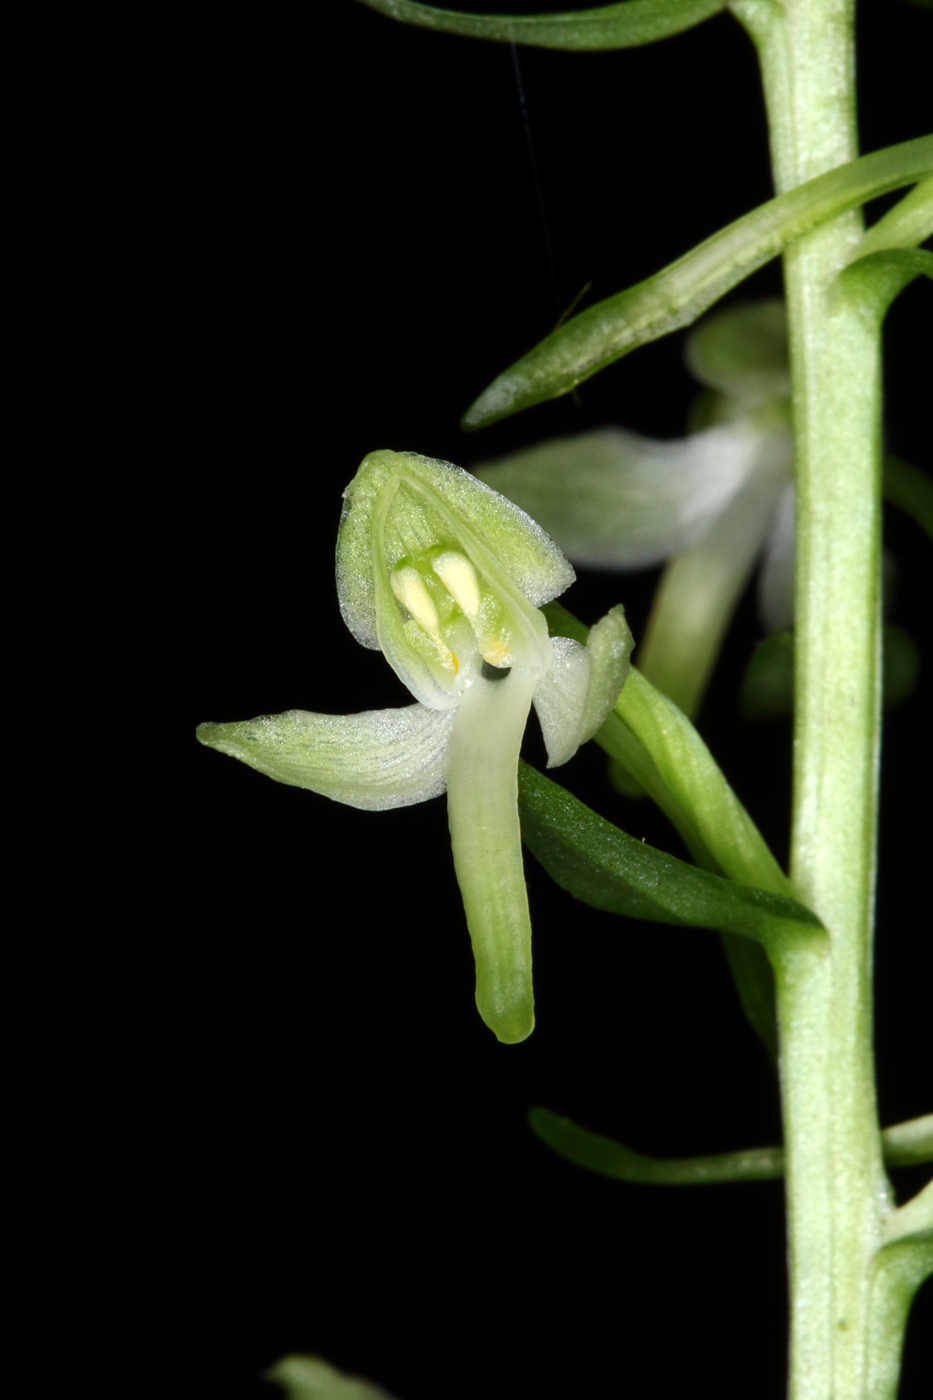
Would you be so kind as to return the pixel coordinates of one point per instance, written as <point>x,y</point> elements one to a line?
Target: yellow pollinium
<point>478,605</point>
<point>438,592</point>
<point>459,578</point>
<point>410,589</point>
<point>424,631</point>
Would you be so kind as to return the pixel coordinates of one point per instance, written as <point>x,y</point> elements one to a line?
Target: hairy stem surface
<point>837,1191</point>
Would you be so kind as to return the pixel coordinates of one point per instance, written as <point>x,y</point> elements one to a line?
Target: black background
<point>300,232</point>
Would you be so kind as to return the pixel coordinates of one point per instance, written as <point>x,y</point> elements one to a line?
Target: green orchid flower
<point>446,578</point>
<point>711,505</point>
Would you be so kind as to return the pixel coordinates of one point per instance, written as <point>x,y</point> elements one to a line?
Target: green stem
<point>837,1191</point>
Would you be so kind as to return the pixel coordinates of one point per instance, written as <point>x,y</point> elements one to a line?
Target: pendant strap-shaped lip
<point>482,808</point>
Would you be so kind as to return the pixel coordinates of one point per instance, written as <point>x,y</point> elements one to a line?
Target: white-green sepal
<point>613,499</point>
<point>402,514</point>
<point>559,699</point>
<point>582,685</point>
<point>609,647</point>
<point>375,760</point>
<point>445,504</point>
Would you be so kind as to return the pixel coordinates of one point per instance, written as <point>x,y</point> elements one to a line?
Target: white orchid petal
<point>560,697</point>
<point>616,500</point>
<point>698,594</point>
<point>374,760</point>
<point>776,579</point>
<point>482,808</point>
<point>582,685</point>
<point>609,647</point>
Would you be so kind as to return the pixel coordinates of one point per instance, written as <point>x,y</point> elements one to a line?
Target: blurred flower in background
<point>713,506</point>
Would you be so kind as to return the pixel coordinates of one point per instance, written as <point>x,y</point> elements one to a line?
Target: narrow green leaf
<point>748,962</point>
<point>911,489</point>
<point>676,296</point>
<point>727,840</point>
<point>915,1217</point>
<point>610,1158</point>
<point>691,773</point>
<point>874,281</point>
<point>608,27</point>
<point>601,1154</point>
<point>310,1378</point>
<point>904,226</point>
<point>899,1269</point>
<point>607,869</point>
<point>909,1144</point>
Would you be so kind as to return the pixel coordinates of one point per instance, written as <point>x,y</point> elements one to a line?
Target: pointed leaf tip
<point>606,868</point>
<point>311,1378</point>
<point>681,292</point>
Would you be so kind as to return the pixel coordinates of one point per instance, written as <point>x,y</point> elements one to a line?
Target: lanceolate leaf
<point>678,295</point>
<point>876,279</point>
<point>748,962</point>
<point>608,27</point>
<point>691,773</point>
<point>899,1269</point>
<point>610,1158</point>
<point>908,1144</point>
<point>604,867</point>
<point>904,226</point>
<point>915,1217</point>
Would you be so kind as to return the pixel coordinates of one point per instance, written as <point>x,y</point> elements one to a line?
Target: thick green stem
<point>837,1190</point>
